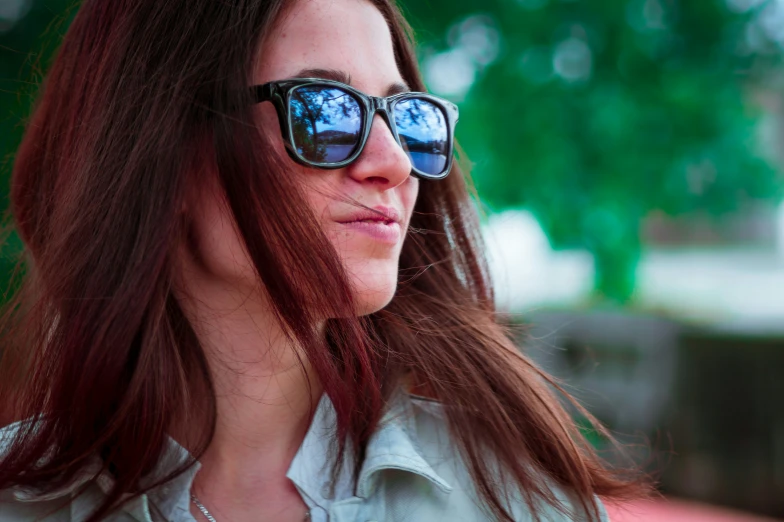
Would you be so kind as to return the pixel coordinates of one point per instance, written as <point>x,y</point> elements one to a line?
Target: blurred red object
<point>673,510</point>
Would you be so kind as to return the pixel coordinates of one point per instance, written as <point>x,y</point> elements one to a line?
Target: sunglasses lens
<point>424,135</point>
<point>326,123</point>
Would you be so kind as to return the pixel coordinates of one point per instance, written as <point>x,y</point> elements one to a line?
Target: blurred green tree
<point>591,114</point>
<point>30,32</point>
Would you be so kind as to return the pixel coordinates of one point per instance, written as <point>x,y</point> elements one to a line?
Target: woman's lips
<point>380,223</point>
<point>380,230</point>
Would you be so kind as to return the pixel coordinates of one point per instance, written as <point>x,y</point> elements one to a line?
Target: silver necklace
<point>211,518</point>
<point>203,509</point>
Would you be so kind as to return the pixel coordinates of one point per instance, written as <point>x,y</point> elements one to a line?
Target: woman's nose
<point>382,161</point>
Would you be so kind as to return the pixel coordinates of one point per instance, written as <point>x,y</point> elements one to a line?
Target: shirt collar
<point>171,499</point>
<point>394,445</point>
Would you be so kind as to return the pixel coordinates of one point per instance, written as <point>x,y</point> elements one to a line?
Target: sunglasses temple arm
<point>263,93</point>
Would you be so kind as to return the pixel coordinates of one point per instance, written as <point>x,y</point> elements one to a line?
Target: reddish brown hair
<point>97,351</point>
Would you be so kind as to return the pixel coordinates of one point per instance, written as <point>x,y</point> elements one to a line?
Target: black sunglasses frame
<point>279,93</point>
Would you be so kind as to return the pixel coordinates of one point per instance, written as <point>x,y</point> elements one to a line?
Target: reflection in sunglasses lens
<point>326,123</point>
<point>423,131</point>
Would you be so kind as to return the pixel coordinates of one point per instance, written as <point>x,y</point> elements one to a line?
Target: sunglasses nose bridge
<point>380,106</point>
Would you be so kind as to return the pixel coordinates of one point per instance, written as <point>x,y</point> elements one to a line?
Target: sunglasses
<point>326,124</point>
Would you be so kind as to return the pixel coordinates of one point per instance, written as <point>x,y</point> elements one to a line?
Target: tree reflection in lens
<point>326,123</point>
<point>422,128</point>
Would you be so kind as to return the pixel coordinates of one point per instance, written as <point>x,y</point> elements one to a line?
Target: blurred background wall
<point>628,161</point>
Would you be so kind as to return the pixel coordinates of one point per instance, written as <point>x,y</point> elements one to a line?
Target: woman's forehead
<point>344,35</point>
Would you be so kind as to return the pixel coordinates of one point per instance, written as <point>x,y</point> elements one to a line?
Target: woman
<point>253,292</point>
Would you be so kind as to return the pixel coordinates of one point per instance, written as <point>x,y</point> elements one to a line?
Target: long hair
<point>97,353</point>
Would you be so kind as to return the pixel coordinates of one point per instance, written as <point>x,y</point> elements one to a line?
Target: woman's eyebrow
<point>325,74</point>
<point>344,77</point>
<point>397,88</point>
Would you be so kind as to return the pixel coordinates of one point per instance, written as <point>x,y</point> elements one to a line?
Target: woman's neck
<point>265,390</point>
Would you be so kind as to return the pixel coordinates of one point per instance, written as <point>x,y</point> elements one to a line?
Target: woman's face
<point>351,38</point>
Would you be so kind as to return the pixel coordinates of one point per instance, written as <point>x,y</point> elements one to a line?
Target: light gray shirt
<point>412,472</point>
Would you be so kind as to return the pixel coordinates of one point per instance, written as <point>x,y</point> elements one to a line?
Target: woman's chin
<point>371,296</point>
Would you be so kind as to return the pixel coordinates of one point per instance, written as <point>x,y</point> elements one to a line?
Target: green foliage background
<point>667,100</point>
<point>656,113</point>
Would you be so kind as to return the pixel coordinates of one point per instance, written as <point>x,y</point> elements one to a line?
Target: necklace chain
<point>203,509</point>
<point>211,518</point>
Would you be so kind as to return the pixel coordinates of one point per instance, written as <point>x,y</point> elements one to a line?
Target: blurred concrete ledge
<point>732,289</point>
